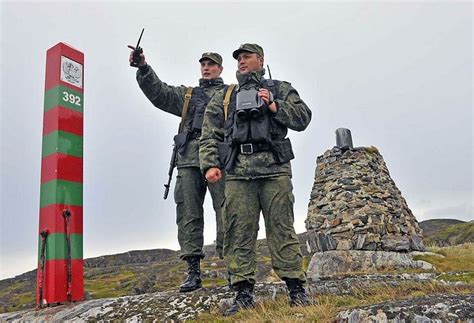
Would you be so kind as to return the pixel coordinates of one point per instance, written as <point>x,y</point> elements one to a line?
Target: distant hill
<point>434,225</point>
<point>447,232</point>
<point>147,271</point>
<point>132,273</point>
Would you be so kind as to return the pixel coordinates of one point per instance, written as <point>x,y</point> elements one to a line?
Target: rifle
<point>137,51</point>
<point>180,140</point>
<point>170,171</point>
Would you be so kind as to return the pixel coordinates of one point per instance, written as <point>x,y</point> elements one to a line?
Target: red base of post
<point>55,291</point>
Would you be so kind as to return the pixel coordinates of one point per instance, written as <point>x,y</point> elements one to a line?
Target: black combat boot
<point>220,252</point>
<point>245,298</point>
<point>229,284</point>
<point>298,296</point>
<point>193,281</point>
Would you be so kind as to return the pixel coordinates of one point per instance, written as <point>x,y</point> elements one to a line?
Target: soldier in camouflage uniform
<point>191,186</point>
<point>256,155</point>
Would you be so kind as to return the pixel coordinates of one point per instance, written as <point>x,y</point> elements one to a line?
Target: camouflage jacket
<point>170,99</point>
<point>292,114</point>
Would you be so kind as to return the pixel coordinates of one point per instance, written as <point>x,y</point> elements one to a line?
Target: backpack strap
<point>227,95</point>
<point>187,98</point>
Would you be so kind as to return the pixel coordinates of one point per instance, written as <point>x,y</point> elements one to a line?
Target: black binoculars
<point>249,105</point>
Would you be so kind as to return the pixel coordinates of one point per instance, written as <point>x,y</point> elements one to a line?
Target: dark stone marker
<point>344,138</point>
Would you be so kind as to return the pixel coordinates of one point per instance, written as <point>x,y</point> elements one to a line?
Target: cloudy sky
<point>398,74</point>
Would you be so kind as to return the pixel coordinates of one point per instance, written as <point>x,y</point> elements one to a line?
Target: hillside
<point>381,297</point>
<point>160,270</point>
<point>434,225</point>
<point>447,232</point>
<point>367,298</point>
<point>132,273</point>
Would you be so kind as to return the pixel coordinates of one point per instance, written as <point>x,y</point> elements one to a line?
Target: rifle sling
<point>226,102</point>
<point>187,98</point>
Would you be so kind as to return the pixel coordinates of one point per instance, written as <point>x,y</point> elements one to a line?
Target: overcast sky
<point>398,74</point>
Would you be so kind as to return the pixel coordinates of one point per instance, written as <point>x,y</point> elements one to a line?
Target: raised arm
<point>163,96</point>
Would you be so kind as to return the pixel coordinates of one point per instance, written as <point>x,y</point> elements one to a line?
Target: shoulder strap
<point>228,93</point>
<point>187,98</point>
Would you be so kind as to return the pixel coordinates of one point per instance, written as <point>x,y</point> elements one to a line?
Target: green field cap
<point>216,58</point>
<point>251,48</point>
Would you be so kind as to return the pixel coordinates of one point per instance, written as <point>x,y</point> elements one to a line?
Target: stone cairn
<point>355,204</point>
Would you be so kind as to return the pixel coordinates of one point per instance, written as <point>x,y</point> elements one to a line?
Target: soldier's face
<point>249,62</point>
<point>210,70</point>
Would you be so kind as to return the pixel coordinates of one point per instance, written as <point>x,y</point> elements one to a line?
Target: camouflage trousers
<point>243,203</point>
<point>189,196</point>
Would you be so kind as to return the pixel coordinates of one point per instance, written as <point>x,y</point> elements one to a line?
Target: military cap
<point>247,47</point>
<point>216,58</point>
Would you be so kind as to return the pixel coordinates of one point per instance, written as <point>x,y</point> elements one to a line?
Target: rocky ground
<point>133,273</point>
<point>142,285</point>
<point>166,306</point>
<point>439,308</point>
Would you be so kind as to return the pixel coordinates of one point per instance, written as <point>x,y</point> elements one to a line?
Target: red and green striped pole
<point>60,261</point>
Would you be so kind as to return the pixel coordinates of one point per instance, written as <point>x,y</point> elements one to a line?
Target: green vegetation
<point>431,226</point>
<point>456,259</point>
<point>110,285</point>
<point>20,301</point>
<point>20,294</point>
<point>326,307</point>
<point>265,259</point>
<point>214,282</point>
<point>456,265</point>
<point>306,261</point>
<point>13,289</point>
<point>372,150</point>
<point>462,277</point>
<point>166,275</point>
<point>448,234</point>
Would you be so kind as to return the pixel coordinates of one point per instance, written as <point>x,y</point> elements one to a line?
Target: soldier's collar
<point>212,82</point>
<point>250,79</point>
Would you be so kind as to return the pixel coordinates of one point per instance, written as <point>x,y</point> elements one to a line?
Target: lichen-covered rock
<point>175,306</point>
<point>340,262</point>
<point>355,205</point>
<point>427,309</point>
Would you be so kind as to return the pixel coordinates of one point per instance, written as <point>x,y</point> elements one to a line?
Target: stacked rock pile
<point>355,205</point>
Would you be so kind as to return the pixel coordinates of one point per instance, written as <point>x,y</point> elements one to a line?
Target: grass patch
<point>109,285</point>
<point>306,260</point>
<point>265,259</point>
<point>23,296</point>
<point>168,285</point>
<point>15,288</point>
<point>458,258</point>
<point>326,307</point>
<point>20,300</point>
<point>462,277</point>
<point>452,235</point>
<point>214,282</point>
<point>208,266</point>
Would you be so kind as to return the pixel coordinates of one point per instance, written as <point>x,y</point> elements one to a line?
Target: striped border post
<point>60,261</point>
